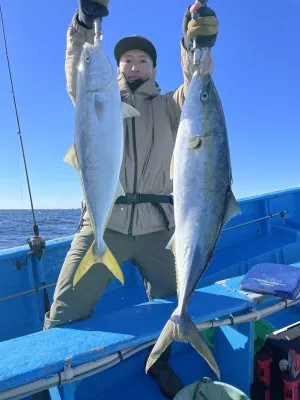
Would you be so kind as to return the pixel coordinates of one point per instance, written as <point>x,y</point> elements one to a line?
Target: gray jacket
<point>149,139</point>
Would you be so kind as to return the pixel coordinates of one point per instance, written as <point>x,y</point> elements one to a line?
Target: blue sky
<point>257,64</point>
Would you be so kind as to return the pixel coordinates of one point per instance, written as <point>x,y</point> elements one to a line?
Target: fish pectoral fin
<point>99,107</point>
<point>128,111</point>
<point>90,258</point>
<point>232,209</point>
<point>71,156</point>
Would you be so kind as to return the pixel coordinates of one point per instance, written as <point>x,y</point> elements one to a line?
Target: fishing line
<point>35,226</point>
<point>22,200</point>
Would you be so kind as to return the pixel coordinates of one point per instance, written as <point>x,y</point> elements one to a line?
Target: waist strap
<point>154,199</point>
<point>137,198</point>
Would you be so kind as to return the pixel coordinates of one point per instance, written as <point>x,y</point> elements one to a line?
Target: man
<point>142,223</point>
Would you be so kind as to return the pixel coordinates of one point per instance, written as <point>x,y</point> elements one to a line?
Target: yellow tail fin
<point>187,332</point>
<point>90,259</point>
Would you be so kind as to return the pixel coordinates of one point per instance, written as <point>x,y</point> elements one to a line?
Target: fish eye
<point>204,96</point>
<point>87,59</point>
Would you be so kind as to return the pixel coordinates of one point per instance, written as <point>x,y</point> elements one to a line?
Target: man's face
<point>136,64</point>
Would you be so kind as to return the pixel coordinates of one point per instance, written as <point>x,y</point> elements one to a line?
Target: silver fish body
<point>203,203</point>
<point>98,147</point>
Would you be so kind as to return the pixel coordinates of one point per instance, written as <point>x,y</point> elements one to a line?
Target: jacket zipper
<point>135,167</point>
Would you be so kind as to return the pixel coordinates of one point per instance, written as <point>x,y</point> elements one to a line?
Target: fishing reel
<point>37,246</point>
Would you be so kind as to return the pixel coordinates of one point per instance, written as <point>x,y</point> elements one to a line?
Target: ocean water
<point>17,225</point>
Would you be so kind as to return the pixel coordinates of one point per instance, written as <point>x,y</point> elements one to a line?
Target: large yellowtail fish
<point>98,147</point>
<point>203,203</point>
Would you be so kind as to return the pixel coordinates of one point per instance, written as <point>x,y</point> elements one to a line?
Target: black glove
<point>90,10</point>
<point>204,29</point>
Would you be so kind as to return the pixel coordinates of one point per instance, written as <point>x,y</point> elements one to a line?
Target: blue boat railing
<point>268,230</point>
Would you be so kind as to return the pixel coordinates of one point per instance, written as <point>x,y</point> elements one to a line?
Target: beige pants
<point>155,264</point>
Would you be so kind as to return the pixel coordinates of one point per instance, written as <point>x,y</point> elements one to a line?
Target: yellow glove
<point>204,28</point>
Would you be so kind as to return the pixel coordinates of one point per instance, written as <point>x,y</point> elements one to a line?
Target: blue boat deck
<point>124,317</point>
<point>100,336</point>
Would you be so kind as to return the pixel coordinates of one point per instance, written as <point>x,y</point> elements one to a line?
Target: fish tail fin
<point>199,344</point>
<point>166,337</point>
<point>184,331</point>
<point>112,264</point>
<point>94,256</point>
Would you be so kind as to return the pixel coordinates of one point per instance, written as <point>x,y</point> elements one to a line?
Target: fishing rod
<point>36,243</point>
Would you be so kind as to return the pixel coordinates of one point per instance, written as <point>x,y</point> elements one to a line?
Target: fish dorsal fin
<point>128,111</point>
<point>172,167</point>
<point>232,209</point>
<point>71,156</point>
